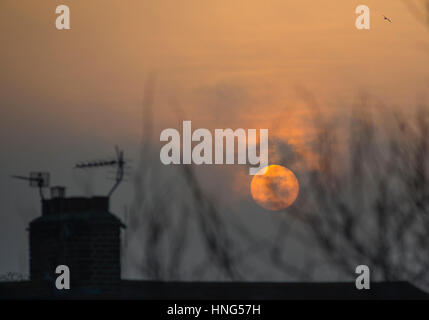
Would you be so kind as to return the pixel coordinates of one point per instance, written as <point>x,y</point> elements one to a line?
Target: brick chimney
<point>82,234</point>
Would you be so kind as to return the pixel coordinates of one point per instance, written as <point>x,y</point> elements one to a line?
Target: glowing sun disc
<point>275,188</point>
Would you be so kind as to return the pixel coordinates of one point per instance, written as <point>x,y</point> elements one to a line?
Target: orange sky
<point>68,96</point>
<point>223,63</point>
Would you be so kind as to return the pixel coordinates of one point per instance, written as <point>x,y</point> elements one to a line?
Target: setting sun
<point>275,189</point>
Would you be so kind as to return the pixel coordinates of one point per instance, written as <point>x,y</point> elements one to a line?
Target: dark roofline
<point>134,289</point>
<point>153,290</point>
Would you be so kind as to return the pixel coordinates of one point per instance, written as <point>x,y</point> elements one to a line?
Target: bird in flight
<point>386,18</point>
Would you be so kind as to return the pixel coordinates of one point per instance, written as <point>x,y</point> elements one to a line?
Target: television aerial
<point>119,163</point>
<point>37,179</point>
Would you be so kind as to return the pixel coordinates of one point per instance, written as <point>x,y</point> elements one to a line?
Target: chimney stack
<point>82,234</point>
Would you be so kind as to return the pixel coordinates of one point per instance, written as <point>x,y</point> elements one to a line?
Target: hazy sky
<point>70,95</point>
<point>248,58</point>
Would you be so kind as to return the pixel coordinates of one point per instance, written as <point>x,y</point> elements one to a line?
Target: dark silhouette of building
<point>156,290</point>
<point>82,234</point>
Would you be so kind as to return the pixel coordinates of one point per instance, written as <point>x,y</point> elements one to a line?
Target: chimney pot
<point>58,192</point>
